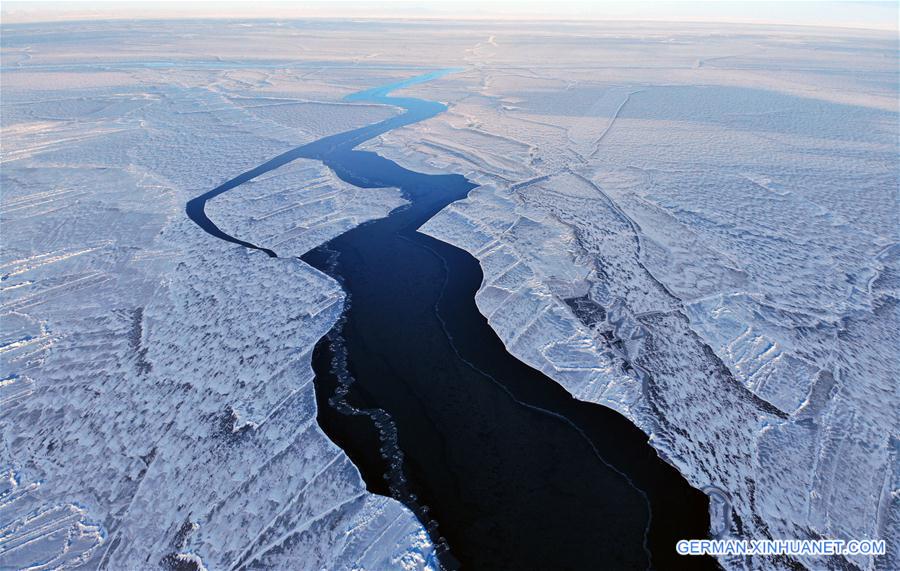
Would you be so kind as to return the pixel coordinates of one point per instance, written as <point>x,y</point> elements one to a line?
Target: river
<point>502,465</point>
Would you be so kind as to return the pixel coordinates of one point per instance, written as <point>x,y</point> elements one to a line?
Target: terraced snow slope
<point>699,228</point>
<point>156,402</point>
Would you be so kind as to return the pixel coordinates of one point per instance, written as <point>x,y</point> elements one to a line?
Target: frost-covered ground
<point>156,401</point>
<point>694,225</point>
<point>698,226</point>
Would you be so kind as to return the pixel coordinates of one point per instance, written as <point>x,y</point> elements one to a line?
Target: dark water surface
<point>505,469</point>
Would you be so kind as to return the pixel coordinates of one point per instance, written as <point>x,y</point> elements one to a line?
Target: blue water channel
<point>504,468</point>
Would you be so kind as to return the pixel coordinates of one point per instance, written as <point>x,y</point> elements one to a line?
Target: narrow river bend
<point>502,465</point>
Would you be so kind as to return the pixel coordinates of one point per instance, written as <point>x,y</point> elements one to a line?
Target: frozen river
<point>501,464</point>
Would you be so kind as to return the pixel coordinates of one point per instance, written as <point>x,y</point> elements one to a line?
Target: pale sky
<point>852,14</point>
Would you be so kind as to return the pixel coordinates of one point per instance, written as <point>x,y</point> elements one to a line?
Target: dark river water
<point>505,469</point>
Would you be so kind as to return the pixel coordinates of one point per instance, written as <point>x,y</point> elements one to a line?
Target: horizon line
<point>92,18</point>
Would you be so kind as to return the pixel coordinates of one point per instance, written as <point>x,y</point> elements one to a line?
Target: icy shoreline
<point>158,405</point>
<point>608,267</point>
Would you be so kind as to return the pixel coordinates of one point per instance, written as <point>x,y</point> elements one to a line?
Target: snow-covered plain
<point>694,225</point>
<point>698,227</point>
<point>157,399</point>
